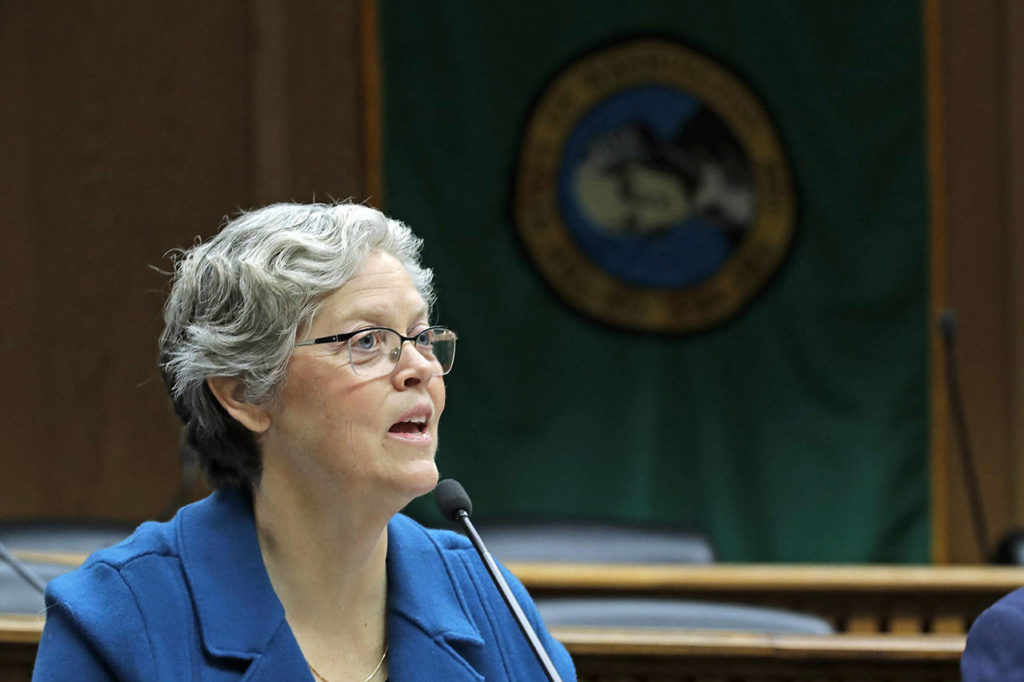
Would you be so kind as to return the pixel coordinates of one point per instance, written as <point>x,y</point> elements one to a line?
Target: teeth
<point>418,420</point>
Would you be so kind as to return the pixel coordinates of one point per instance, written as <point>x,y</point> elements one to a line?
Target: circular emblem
<point>652,191</point>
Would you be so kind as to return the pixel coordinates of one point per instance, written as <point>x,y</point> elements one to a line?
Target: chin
<point>419,478</point>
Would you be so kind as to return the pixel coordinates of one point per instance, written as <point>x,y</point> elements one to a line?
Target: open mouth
<point>414,425</point>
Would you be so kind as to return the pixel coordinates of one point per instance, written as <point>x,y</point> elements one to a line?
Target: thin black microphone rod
<point>454,503</point>
<point>21,569</point>
<point>947,325</point>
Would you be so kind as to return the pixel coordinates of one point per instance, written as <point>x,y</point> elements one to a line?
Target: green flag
<point>746,358</point>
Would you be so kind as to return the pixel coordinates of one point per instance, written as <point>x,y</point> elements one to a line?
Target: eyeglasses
<point>375,351</point>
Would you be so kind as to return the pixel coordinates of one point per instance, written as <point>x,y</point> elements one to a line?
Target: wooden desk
<point>855,599</point>
<point>603,655</point>
<point>895,622</point>
<point>19,639</point>
<point>61,558</point>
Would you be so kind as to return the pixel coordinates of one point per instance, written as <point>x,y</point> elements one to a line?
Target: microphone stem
<point>21,569</point>
<point>510,600</point>
<point>964,442</point>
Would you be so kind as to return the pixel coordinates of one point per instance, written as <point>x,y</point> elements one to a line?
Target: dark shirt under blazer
<point>190,600</point>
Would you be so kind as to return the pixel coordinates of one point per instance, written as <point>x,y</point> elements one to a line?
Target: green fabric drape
<point>795,432</point>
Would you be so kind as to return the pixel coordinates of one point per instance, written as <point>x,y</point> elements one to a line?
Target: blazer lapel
<point>430,633</point>
<point>239,613</point>
<point>282,659</point>
<point>415,656</point>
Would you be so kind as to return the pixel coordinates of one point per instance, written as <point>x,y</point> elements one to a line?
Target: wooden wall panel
<point>325,103</point>
<point>974,235</point>
<point>22,391</point>
<point>981,64</point>
<point>307,141</point>
<point>128,129</point>
<point>1012,22</point>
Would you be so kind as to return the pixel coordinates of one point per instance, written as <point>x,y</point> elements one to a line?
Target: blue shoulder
<point>993,651</point>
<point>411,534</point>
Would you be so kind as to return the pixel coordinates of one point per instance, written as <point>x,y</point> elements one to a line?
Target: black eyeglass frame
<point>345,338</point>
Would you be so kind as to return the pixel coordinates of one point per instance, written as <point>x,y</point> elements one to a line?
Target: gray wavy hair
<point>238,301</point>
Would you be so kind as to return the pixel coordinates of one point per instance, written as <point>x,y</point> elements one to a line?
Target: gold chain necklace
<point>375,670</point>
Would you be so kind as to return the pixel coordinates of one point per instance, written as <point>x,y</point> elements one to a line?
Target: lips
<point>413,423</point>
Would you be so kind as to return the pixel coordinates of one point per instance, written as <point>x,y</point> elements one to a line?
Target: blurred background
<point>807,421</point>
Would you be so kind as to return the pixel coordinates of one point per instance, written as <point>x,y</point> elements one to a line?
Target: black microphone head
<point>450,497</point>
<point>947,324</point>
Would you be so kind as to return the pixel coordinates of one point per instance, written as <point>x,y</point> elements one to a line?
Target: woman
<point>299,354</point>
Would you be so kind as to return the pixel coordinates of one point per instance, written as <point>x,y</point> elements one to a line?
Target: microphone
<point>21,569</point>
<point>947,327</point>
<point>454,503</point>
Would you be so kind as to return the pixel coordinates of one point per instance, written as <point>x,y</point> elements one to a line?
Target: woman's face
<point>330,426</point>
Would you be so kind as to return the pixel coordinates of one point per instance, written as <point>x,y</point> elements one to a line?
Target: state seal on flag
<point>652,191</point>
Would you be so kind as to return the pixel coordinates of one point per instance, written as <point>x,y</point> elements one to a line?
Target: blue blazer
<point>995,643</point>
<point>190,600</point>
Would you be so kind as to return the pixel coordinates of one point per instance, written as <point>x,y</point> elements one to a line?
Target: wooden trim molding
<point>939,429</point>
<point>270,135</point>
<point>853,599</point>
<point>371,90</point>
<point>677,655</point>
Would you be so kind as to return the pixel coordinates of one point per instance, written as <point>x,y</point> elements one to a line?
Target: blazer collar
<point>240,615</point>
<point>239,612</point>
<point>429,627</point>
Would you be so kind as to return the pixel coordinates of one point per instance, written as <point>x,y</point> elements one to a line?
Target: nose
<point>413,368</point>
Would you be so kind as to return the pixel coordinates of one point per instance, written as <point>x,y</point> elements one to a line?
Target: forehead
<point>380,288</point>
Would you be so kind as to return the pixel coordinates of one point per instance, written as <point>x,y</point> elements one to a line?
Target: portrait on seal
<point>652,190</point>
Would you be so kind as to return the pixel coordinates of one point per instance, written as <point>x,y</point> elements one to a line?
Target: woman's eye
<point>425,338</point>
<point>367,341</point>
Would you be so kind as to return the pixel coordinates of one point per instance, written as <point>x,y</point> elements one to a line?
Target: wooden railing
<point>893,622</point>
<point>609,655</point>
<point>603,655</point>
<point>19,639</point>
<point>854,599</point>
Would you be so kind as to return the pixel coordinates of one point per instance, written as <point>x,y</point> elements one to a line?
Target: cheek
<point>440,395</point>
<point>335,431</point>
<point>325,405</point>
<point>346,412</point>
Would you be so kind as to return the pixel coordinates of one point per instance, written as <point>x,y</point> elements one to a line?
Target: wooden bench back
<point>854,599</point>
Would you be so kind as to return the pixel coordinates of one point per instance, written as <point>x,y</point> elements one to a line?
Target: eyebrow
<point>377,315</point>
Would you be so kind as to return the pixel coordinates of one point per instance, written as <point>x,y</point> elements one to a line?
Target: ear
<point>228,392</point>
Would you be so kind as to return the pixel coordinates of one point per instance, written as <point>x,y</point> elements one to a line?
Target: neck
<point>327,564</point>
